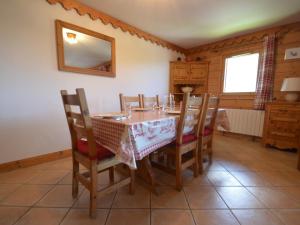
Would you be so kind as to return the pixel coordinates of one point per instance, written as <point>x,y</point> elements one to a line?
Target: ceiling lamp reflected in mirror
<point>71,38</point>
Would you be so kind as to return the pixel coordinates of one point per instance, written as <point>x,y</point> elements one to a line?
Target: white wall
<point>32,120</point>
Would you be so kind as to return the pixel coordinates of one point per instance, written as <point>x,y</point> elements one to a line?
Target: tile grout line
<point>214,187</point>
<point>190,210</point>
<point>246,187</point>
<point>32,206</point>
<point>243,187</point>
<point>110,208</point>
<point>70,208</point>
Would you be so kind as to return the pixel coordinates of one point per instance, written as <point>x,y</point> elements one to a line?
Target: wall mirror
<point>81,50</point>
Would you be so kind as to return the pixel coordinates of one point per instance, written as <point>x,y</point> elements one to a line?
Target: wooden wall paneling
<point>288,36</point>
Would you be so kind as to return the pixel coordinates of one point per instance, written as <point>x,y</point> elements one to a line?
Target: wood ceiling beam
<point>94,14</point>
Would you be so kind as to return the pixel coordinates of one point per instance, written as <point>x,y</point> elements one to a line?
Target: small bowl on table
<point>186,89</point>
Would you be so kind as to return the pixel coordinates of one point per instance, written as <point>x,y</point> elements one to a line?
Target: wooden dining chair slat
<point>71,99</point>
<point>76,116</point>
<point>85,151</point>
<point>193,112</point>
<point>80,130</point>
<point>207,125</point>
<point>146,101</point>
<point>129,99</point>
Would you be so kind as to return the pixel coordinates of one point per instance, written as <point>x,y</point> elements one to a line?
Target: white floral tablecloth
<point>134,138</point>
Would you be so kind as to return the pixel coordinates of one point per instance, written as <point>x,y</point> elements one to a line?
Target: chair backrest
<point>129,99</point>
<point>209,113</point>
<point>80,124</point>
<point>190,115</point>
<point>149,101</point>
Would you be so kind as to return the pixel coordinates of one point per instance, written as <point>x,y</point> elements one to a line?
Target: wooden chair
<point>85,151</point>
<point>129,99</point>
<point>207,124</point>
<point>146,101</point>
<point>187,144</point>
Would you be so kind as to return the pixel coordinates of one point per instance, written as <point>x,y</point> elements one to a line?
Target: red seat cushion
<point>102,153</point>
<point>188,138</point>
<point>207,131</point>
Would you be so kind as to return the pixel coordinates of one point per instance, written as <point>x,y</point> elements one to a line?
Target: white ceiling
<point>189,23</point>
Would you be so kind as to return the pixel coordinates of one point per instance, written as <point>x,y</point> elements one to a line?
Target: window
<point>241,73</point>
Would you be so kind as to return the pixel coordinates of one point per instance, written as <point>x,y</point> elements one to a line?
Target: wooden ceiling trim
<point>246,39</point>
<point>82,9</point>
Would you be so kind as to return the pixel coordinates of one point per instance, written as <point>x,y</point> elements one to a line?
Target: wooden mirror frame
<point>59,25</point>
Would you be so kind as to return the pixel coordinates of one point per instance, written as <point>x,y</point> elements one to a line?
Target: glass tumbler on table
<point>128,110</point>
<point>172,102</point>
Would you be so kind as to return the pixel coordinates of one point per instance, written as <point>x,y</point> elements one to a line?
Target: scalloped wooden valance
<point>82,9</point>
<point>255,37</point>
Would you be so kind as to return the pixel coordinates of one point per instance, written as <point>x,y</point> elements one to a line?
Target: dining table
<point>133,138</point>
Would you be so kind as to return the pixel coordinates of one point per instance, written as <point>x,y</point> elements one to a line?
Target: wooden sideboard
<point>194,74</point>
<point>282,126</point>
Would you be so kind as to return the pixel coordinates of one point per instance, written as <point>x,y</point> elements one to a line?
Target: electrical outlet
<point>292,53</point>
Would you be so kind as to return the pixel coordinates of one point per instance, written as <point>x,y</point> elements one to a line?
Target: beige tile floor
<point>246,184</point>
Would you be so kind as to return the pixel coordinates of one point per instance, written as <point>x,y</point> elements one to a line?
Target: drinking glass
<point>154,106</point>
<point>172,102</point>
<point>128,109</point>
<point>165,102</point>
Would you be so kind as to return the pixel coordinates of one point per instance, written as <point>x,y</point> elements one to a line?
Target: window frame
<point>238,95</point>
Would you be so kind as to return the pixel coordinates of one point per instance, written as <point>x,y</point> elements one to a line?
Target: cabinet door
<point>179,71</point>
<point>198,71</point>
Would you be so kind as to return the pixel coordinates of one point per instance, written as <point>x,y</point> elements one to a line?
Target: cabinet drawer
<point>293,115</point>
<point>282,144</point>
<point>282,136</point>
<point>283,126</point>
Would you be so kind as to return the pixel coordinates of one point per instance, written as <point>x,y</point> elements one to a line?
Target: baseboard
<point>235,135</point>
<point>22,163</point>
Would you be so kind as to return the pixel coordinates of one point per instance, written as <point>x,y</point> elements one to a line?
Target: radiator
<point>244,121</point>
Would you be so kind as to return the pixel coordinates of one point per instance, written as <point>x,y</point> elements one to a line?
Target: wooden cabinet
<point>282,126</point>
<point>198,72</point>
<point>180,71</point>
<point>194,74</point>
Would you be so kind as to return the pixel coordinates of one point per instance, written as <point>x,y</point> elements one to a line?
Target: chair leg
<point>200,159</point>
<point>74,178</point>
<point>196,164</point>
<point>178,170</point>
<point>169,160</point>
<point>161,157</point>
<point>93,189</point>
<point>132,181</point>
<point>209,150</point>
<point>151,156</point>
<point>111,174</point>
